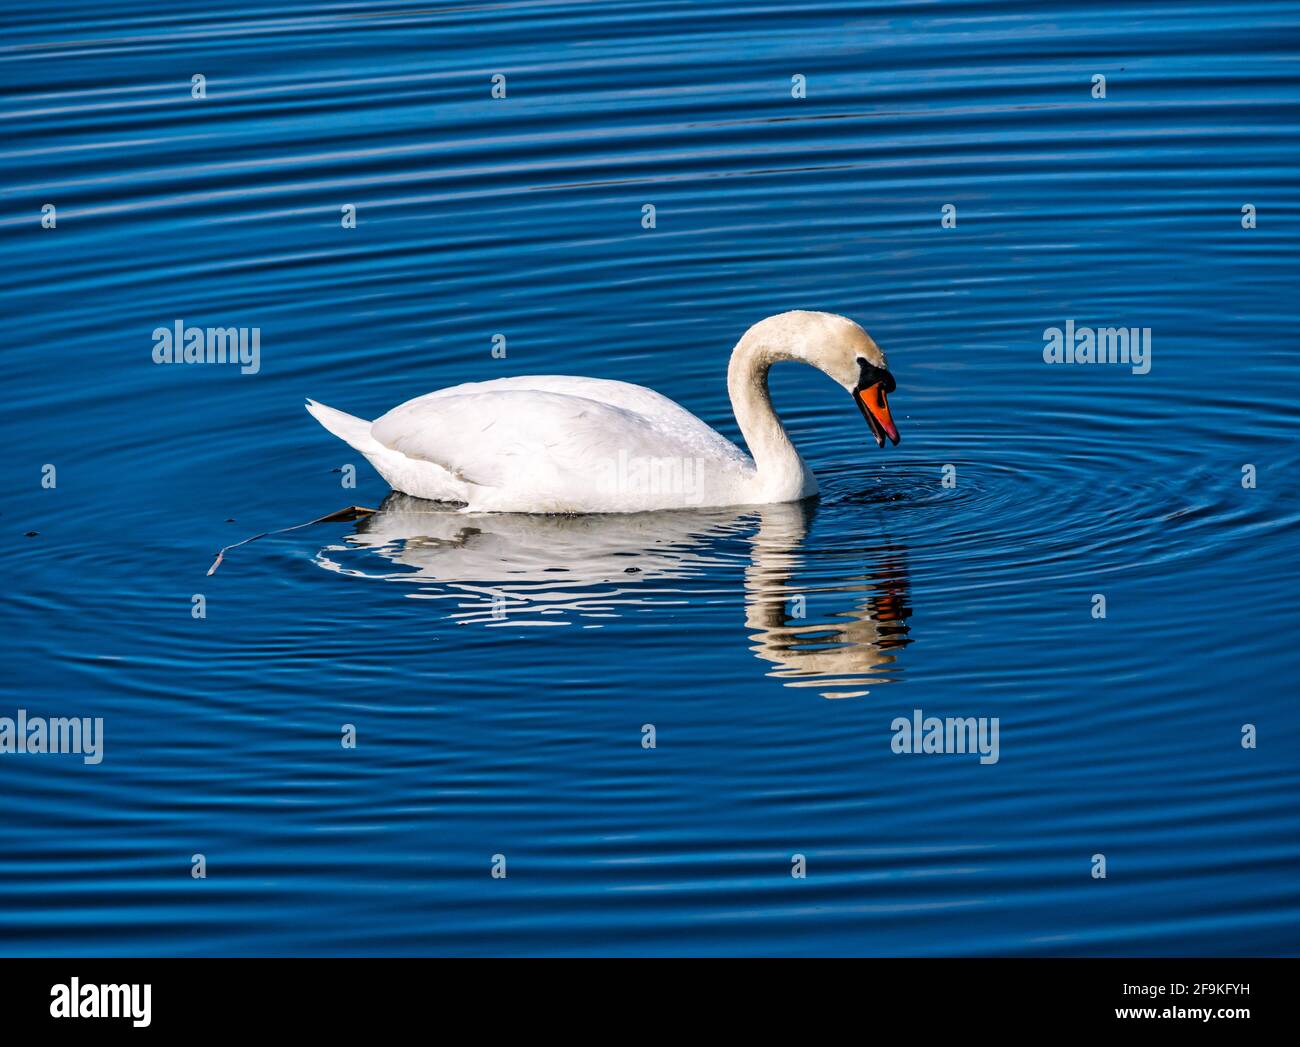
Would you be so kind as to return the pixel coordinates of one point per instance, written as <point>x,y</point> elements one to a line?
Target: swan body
<point>563,444</point>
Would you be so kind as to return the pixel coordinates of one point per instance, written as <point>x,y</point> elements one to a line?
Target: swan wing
<point>553,444</point>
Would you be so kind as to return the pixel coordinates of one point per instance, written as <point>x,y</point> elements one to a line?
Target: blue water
<point>519,732</point>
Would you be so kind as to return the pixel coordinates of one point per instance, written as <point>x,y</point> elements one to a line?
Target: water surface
<point>499,670</point>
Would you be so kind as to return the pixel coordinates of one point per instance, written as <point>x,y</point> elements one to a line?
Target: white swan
<point>560,444</point>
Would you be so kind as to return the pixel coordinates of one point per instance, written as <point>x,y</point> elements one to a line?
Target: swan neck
<point>777,462</point>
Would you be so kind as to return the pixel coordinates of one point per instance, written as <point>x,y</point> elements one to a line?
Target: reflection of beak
<point>875,409</point>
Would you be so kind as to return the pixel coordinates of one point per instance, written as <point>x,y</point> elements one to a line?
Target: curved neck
<point>775,458</point>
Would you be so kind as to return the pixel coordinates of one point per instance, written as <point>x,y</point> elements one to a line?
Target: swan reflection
<point>835,622</point>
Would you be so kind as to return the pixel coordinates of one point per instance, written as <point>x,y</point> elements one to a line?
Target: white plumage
<point>562,444</point>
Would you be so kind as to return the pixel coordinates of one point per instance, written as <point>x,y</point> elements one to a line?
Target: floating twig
<point>351,512</point>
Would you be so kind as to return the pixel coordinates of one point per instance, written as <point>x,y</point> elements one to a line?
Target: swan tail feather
<point>347,427</point>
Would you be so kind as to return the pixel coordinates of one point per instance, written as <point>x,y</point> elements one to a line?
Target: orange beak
<point>875,409</point>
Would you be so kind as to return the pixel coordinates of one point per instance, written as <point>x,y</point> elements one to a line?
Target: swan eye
<point>871,375</point>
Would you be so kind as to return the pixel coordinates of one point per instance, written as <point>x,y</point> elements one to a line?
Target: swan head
<point>841,349</point>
